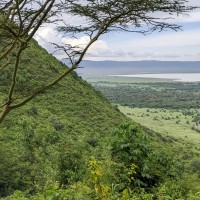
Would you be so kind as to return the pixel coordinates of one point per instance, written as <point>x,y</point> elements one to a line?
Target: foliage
<point>139,164</point>
<point>43,140</point>
<point>102,191</point>
<point>135,166</point>
<point>165,121</point>
<point>172,95</point>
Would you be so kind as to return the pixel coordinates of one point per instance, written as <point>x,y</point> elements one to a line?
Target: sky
<point>167,45</point>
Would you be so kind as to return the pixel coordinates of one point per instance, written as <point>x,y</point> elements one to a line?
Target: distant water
<point>184,77</point>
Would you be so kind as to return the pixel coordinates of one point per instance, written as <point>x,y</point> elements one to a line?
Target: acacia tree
<point>21,19</point>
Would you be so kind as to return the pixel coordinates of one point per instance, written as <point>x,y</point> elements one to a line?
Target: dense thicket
<point>175,95</point>
<point>43,140</point>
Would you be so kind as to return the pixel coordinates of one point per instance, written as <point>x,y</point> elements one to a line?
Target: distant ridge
<point>137,67</point>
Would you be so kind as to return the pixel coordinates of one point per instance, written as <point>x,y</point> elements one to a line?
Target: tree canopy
<point>21,19</point>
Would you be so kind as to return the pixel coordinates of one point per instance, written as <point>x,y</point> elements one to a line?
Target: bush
<point>32,111</point>
<point>130,146</point>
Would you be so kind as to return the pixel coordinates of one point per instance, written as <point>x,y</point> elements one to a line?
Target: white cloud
<point>182,45</point>
<point>181,38</point>
<point>168,46</point>
<point>83,41</point>
<point>47,35</point>
<point>151,55</point>
<point>192,16</point>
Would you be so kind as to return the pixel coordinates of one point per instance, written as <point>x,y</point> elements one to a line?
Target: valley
<point>163,105</point>
<point>166,121</point>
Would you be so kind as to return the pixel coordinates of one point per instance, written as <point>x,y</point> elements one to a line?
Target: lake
<point>183,77</point>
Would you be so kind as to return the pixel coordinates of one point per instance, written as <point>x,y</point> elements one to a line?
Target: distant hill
<point>137,67</point>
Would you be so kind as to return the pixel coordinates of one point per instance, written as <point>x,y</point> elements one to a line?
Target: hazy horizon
<point>95,68</point>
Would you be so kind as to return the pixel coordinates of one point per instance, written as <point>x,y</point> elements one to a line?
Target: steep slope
<point>68,119</point>
<point>73,100</point>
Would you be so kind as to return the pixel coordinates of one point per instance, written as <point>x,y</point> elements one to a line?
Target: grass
<point>166,121</point>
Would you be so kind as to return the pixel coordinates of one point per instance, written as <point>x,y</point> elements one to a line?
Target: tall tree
<point>21,19</point>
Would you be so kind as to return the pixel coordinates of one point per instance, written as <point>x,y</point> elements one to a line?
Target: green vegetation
<point>61,146</point>
<point>63,139</point>
<point>127,164</point>
<point>175,95</point>
<point>115,80</point>
<point>38,138</point>
<point>175,123</point>
<point>170,108</point>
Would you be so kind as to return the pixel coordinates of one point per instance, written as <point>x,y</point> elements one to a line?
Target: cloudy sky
<point>168,45</point>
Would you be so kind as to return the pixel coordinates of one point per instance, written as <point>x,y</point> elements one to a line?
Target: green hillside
<point>67,113</point>
<point>75,102</point>
<point>68,144</point>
